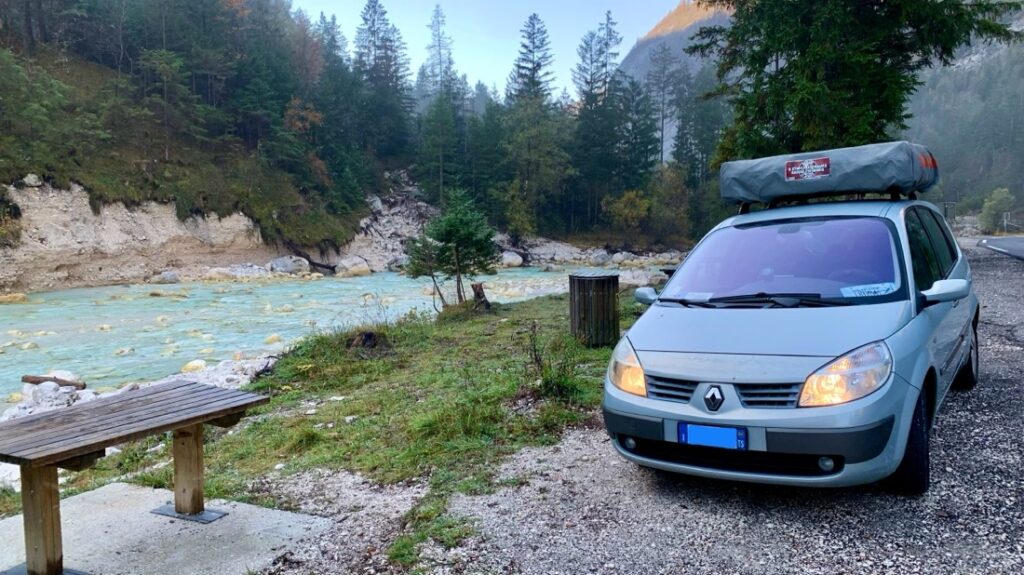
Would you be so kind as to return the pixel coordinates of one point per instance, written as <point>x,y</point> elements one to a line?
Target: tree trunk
<point>44,32</point>
<point>460,295</point>
<point>29,34</point>
<point>480,297</point>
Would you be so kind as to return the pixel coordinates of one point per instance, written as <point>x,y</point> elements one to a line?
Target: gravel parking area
<point>578,508</point>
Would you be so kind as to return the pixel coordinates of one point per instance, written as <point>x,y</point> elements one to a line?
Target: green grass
<point>440,401</point>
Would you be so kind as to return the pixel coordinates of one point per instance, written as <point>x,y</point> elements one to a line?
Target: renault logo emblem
<point>714,398</point>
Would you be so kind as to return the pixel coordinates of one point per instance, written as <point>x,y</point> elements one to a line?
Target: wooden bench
<point>75,438</point>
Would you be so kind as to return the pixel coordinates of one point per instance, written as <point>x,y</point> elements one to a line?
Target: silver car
<point>810,345</point>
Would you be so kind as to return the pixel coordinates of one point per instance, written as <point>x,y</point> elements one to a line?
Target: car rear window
<point>853,258</point>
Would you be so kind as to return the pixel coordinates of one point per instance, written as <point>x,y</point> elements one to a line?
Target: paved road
<point>1012,246</point>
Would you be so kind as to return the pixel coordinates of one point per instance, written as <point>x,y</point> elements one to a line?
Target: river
<point>110,336</point>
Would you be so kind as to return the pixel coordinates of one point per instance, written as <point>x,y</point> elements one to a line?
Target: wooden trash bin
<point>594,307</point>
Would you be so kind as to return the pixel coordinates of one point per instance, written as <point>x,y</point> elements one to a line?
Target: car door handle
<point>956,302</point>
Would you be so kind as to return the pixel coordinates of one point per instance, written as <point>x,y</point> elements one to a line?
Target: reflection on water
<point>113,335</point>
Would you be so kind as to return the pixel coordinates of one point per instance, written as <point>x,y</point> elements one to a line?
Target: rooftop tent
<point>893,166</point>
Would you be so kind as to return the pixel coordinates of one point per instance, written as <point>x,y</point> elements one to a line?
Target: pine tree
<point>531,73</point>
<point>440,65</point>
<point>435,166</point>
<point>662,84</point>
<point>638,136</point>
<point>812,74</point>
<point>382,64</point>
<point>457,244</point>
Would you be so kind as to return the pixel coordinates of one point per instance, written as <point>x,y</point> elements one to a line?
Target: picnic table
<point>75,438</point>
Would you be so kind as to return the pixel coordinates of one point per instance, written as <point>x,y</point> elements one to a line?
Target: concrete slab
<point>110,531</point>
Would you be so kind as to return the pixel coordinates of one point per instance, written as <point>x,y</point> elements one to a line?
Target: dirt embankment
<point>64,244</point>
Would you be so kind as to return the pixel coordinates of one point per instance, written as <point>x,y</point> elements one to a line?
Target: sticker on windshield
<point>868,290</point>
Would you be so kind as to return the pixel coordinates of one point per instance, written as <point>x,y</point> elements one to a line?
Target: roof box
<point>900,167</point>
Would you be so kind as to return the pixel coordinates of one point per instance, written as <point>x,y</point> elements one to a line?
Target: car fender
<point>912,356</point>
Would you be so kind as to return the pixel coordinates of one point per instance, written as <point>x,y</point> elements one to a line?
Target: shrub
<point>998,202</point>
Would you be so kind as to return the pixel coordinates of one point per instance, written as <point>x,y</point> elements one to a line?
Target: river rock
<point>398,263</point>
<point>13,298</point>
<point>237,272</point>
<point>289,265</point>
<point>600,258</point>
<point>635,277</point>
<point>622,257</point>
<point>167,277</point>
<point>194,366</point>
<point>511,260</point>
<point>32,181</point>
<point>352,266</point>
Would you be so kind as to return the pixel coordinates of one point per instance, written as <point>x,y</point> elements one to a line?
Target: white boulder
<point>166,277</point>
<point>289,265</point>
<point>32,181</point>
<point>352,266</point>
<point>622,257</point>
<point>511,260</point>
<point>600,258</point>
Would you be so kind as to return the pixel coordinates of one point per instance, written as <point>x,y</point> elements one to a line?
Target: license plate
<point>713,436</point>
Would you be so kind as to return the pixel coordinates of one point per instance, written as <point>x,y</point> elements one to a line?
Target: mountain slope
<point>972,117</point>
<point>676,30</point>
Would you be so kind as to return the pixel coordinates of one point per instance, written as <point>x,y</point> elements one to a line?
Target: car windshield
<point>850,259</point>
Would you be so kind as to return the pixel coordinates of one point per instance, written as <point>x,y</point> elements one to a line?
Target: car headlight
<point>850,377</point>
<point>625,372</point>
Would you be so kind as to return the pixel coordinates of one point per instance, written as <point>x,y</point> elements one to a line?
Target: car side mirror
<point>646,295</point>
<point>946,290</point>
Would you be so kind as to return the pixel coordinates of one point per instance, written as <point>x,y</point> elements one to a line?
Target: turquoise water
<point>114,335</point>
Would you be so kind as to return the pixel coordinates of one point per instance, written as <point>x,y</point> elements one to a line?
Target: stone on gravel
<point>32,181</point>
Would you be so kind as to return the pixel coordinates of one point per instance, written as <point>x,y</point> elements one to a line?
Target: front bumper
<point>865,439</point>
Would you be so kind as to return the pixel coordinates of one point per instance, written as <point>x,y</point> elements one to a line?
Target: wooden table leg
<point>40,498</point>
<point>188,470</point>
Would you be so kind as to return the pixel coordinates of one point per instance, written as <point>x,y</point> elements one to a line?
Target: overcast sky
<point>485,33</point>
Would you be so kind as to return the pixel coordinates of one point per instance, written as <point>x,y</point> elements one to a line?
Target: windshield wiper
<point>687,302</point>
<point>781,300</point>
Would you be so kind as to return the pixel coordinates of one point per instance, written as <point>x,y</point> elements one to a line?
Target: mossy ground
<point>442,401</point>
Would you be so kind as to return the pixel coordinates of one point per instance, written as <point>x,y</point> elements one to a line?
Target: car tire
<point>913,475</point>
<point>967,377</point>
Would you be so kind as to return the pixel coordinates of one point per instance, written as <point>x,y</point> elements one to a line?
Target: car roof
<point>869,208</point>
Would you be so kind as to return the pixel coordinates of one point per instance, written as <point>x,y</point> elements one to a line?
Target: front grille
<point>791,464</point>
<point>677,390</point>
<point>768,394</point>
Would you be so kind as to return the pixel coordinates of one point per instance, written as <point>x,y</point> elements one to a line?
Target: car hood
<point>820,332</point>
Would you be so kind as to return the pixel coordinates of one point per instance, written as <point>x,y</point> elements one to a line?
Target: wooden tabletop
<point>54,436</point>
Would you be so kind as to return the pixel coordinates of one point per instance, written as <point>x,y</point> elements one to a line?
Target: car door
<point>954,267</point>
<point>928,269</point>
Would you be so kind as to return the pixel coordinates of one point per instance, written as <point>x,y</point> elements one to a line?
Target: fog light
<point>630,443</point>
<point>826,464</point>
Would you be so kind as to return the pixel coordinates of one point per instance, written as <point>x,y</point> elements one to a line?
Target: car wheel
<point>967,378</point>
<point>914,473</point>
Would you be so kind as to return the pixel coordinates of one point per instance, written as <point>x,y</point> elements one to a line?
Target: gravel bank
<point>365,518</point>
<point>579,508</point>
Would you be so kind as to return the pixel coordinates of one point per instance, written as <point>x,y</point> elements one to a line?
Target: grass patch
<point>443,401</point>
<point>10,502</point>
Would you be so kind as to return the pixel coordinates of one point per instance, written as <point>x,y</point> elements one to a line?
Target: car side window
<point>922,255</point>
<point>941,238</point>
